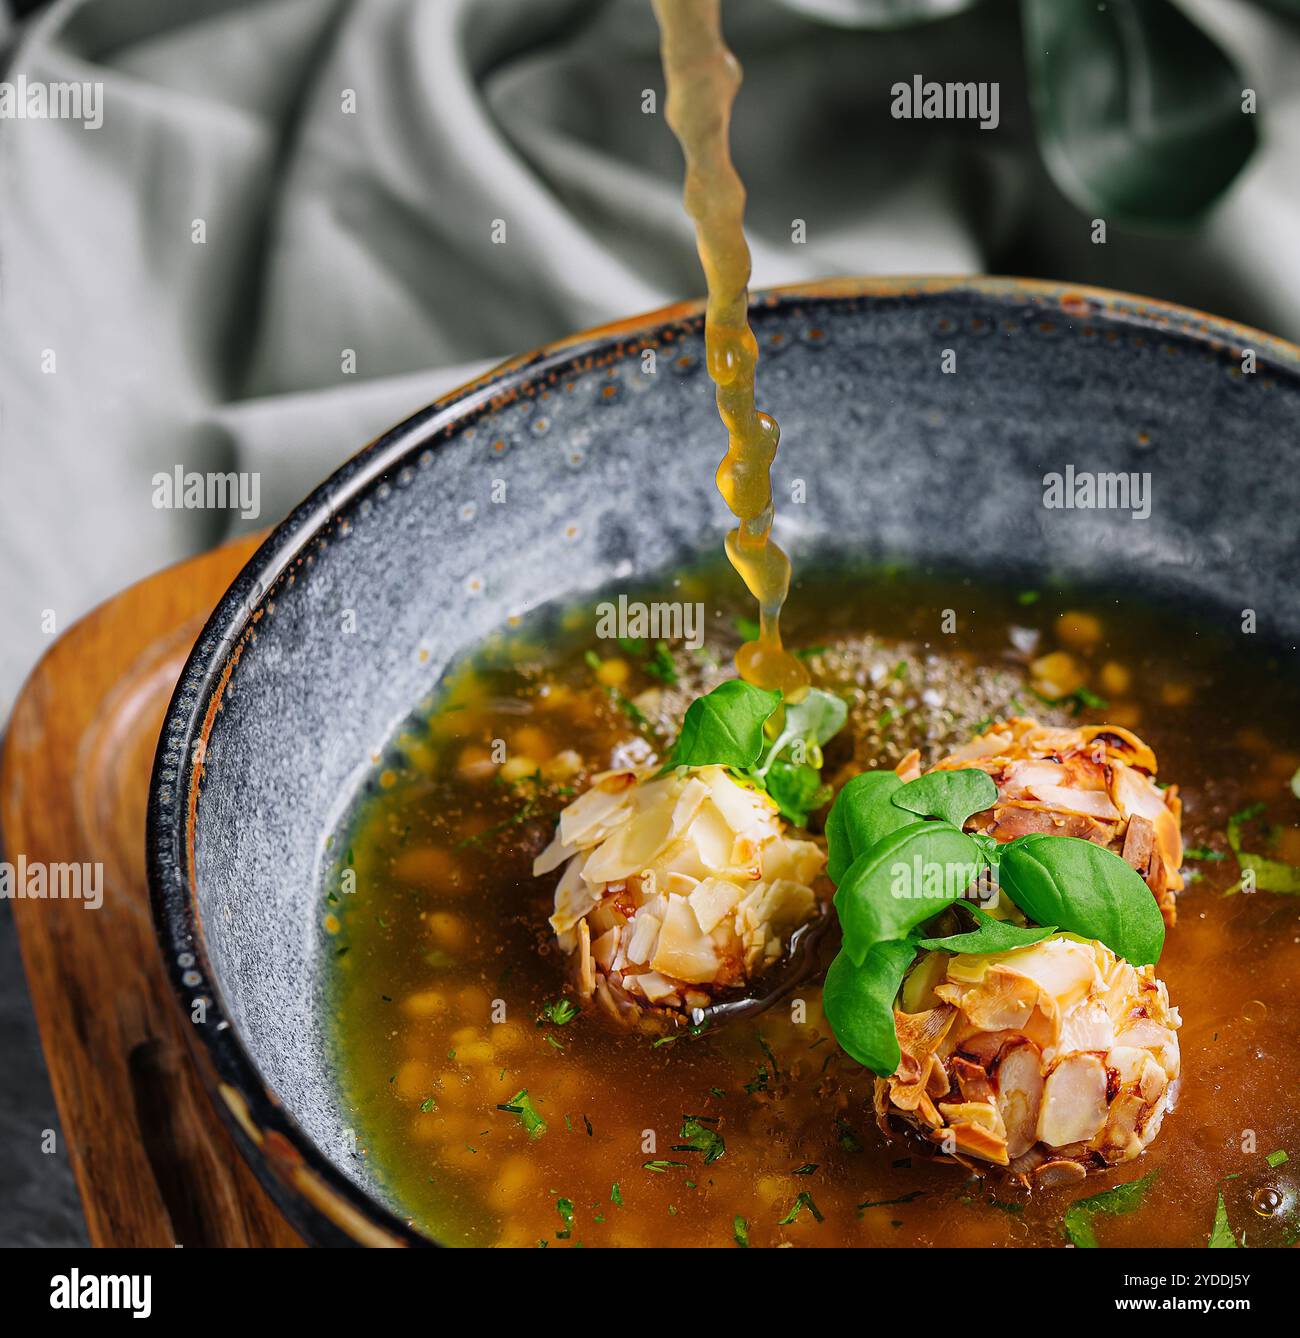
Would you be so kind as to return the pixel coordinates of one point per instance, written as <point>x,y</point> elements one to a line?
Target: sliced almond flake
<point>645,936</point>
<point>684,951</point>
<point>712,900</point>
<point>693,794</point>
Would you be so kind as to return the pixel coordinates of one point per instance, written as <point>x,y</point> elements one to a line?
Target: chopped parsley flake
<point>521,1105</point>
<point>560,1012</point>
<point>805,1200</point>
<point>701,1138</point>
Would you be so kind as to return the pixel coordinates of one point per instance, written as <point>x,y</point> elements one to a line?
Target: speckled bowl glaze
<point>353,607</point>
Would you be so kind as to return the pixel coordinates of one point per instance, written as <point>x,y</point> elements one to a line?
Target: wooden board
<point>154,1164</point>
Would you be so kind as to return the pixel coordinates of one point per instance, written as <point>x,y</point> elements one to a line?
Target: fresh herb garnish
<point>565,1208</point>
<point>989,935</point>
<point>616,1194</point>
<point>1221,1237</point>
<point>805,1200</point>
<point>898,856</point>
<point>1203,854</point>
<point>873,908</point>
<point>521,1105</point>
<point>1259,873</point>
<point>560,1012</point>
<point>1078,700</point>
<point>862,816</point>
<point>724,727</point>
<point>660,1166</point>
<point>808,1168</point>
<point>1086,890</point>
<point>740,1231</point>
<point>951,795</point>
<point>889,1203</point>
<point>700,1137</point>
<point>661,664</point>
<point>1077,1223</point>
<point>859,1003</point>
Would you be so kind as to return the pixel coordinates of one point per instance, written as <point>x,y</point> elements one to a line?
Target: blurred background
<point>300,220</point>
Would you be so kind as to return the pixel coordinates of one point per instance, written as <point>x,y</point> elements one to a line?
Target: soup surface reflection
<point>494,1116</point>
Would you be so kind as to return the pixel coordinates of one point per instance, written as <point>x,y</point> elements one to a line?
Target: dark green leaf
<point>861,816</point>
<point>1122,1199</point>
<point>725,727</point>
<point>1138,113</point>
<point>859,1004</point>
<point>989,935</point>
<point>903,880</point>
<point>1086,890</point>
<point>953,795</point>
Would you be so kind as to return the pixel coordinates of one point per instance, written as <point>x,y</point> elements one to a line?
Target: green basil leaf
<point>1122,1199</point>
<point>812,721</point>
<point>1221,1237</point>
<point>901,881</point>
<point>989,935</point>
<point>725,727</point>
<point>861,816</point>
<point>859,1003</point>
<point>953,795</point>
<point>817,719</point>
<point>1086,890</point>
<point>797,789</point>
<point>1138,112</point>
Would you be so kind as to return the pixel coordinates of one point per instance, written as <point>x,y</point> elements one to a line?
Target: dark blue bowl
<point>606,445</point>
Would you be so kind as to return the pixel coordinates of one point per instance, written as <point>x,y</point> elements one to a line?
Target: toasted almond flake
<point>713,899</point>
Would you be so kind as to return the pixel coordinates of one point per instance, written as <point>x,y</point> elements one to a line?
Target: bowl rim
<point>319,1200</point>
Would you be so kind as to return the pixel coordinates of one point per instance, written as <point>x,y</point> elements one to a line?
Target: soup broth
<point>495,1117</point>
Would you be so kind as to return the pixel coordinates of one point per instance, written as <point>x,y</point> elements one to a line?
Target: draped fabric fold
<point>302,219</point>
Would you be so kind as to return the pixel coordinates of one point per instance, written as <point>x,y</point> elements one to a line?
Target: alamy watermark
<point>921,879</point>
<point>1080,490</point>
<point>26,99</point>
<point>633,620</point>
<point>36,881</point>
<point>183,490</point>
<point>932,101</point>
<point>76,1290</point>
